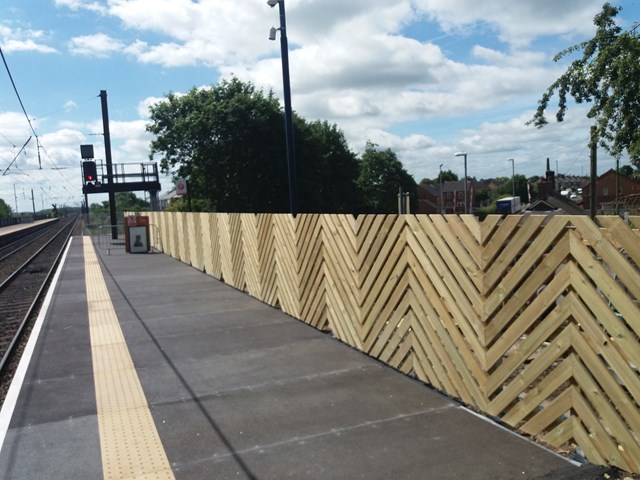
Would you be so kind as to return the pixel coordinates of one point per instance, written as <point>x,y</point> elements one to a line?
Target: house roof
<point>559,202</point>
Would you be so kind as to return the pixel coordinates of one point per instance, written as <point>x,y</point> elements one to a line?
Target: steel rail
<point>68,229</point>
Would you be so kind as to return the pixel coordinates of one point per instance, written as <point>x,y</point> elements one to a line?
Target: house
<point>450,200</point>
<point>550,201</point>
<point>606,193</point>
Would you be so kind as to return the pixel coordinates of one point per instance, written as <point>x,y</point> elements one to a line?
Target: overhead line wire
<point>24,110</point>
<point>15,89</point>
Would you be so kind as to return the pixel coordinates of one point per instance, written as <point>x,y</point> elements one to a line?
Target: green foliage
<point>607,75</point>
<point>197,205</point>
<point>326,168</point>
<point>627,171</point>
<point>506,188</point>
<point>230,140</point>
<point>226,139</point>
<point>481,195</point>
<point>447,176</point>
<point>125,202</point>
<point>482,212</point>
<point>5,209</point>
<point>381,174</point>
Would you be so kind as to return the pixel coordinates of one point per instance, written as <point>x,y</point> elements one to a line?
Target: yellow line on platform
<point>130,444</point>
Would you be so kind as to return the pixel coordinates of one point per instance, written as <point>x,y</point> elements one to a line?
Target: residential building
<point>606,194</point>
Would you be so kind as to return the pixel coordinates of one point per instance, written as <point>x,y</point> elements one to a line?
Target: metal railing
<point>103,238</point>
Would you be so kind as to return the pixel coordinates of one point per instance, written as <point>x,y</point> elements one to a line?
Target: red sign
<point>181,187</point>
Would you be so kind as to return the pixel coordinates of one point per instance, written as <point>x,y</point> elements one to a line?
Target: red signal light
<point>89,171</point>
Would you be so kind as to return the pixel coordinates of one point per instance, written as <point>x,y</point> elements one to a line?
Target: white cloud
<point>144,105</point>
<point>97,45</point>
<point>19,40</point>
<point>517,23</point>
<point>353,63</point>
<point>76,5</point>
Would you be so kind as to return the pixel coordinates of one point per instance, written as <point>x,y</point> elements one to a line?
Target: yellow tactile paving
<point>131,447</point>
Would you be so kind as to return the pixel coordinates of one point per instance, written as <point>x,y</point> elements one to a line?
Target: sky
<point>425,78</point>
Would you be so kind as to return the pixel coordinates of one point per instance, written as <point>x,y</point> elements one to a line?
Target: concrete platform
<point>9,229</point>
<point>237,389</point>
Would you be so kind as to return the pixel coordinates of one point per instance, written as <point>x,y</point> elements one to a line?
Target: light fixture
<point>288,112</point>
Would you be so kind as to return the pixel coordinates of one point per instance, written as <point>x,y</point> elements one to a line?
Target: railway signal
<point>89,172</point>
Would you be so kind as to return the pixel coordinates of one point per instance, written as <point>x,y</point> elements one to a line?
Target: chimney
<point>551,176</point>
<point>548,184</point>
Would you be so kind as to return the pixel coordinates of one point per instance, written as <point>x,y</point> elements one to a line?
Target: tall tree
<point>125,202</point>
<point>230,140</point>
<point>5,209</point>
<point>327,169</point>
<point>607,75</point>
<point>381,175</point>
<point>225,138</point>
<point>506,188</point>
<point>447,176</point>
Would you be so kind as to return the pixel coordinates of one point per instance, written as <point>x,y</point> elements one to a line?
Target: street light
<point>288,116</point>
<point>513,176</point>
<point>464,154</point>
<point>441,195</point>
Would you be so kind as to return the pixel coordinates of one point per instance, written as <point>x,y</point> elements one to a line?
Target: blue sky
<point>426,78</point>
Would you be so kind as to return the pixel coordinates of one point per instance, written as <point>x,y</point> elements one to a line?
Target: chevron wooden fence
<point>534,320</point>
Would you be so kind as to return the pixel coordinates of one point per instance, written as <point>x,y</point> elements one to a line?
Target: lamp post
<point>288,116</point>
<point>442,211</point>
<point>513,176</point>
<point>464,154</point>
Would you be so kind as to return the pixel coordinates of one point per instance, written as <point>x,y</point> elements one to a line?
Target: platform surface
<point>234,388</point>
<point>9,229</point>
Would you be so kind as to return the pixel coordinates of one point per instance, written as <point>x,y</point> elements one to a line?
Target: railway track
<point>24,277</point>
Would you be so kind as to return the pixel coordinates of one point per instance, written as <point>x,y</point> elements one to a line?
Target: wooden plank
<point>527,347</point>
<point>598,437</point>
<point>554,410</point>
<point>583,439</point>
<point>468,250</point>
<point>446,337</point>
<point>616,263</point>
<point>463,265</point>
<point>505,312</point>
<point>537,395</point>
<point>440,359</point>
<point>620,234</point>
<point>505,275</point>
<point>432,308</point>
<point>533,312</point>
<point>593,348</point>
<point>622,302</point>
<point>441,259</point>
<point>561,434</point>
<point>471,222</point>
<point>447,289</point>
<point>488,227</point>
<point>628,447</point>
<point>554,351</point>
<point>496,243</point>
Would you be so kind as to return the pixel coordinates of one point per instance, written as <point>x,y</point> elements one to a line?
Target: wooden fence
<point>534,320</point>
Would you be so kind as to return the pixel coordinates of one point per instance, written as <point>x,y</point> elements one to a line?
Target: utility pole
<point>107,156</point>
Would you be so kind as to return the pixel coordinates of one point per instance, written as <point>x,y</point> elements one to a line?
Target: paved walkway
<point>234,388</point>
